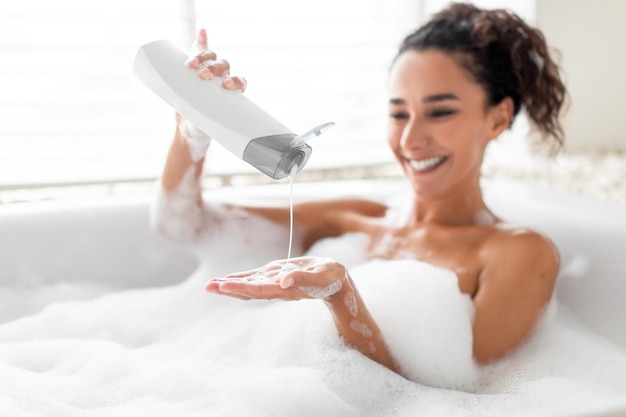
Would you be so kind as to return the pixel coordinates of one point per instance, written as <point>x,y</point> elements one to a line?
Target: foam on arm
<point>179,213</point>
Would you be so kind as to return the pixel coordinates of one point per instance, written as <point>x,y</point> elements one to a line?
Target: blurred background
<point>75,122</point>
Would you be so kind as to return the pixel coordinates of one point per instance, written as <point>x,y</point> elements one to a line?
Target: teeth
<point>425,164</point>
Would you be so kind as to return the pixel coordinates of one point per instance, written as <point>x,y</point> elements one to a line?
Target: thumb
<point>288,279</point>
<point>200,44</point>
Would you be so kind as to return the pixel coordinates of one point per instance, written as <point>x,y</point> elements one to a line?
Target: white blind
<point>71,110</point>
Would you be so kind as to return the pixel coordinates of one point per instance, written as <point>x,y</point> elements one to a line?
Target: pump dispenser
<point>228,116</point>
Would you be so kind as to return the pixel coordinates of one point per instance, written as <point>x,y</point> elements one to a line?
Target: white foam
<point>197,141</point>
<point>361,328</point>
<point>176,213</point>
<point>322,293</point>
<point>349,300</point>
<point>424,319</point>
<point>179,351</point>
<point>350,252</point>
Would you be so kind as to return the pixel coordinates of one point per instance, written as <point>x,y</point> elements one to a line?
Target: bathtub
<point>74,252</point>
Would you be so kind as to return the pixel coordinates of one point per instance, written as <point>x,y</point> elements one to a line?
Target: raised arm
<point>178,212</point>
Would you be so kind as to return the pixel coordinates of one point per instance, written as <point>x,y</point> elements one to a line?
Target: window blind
<point>71,111</point>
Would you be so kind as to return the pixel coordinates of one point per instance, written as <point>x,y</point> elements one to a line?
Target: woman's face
<point>439,124</point>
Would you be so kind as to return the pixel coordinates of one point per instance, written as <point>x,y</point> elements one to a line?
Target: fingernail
<point>228,82</point>
<point>205,74</point>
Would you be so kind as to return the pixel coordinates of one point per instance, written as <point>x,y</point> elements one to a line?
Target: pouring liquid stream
<point>299,140</point>
<point>292,176</point>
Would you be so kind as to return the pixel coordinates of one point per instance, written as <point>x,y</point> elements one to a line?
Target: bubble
<point>176,350</point>
<point>351,304</point>
<point>322,292</point>
<point>361,328</point>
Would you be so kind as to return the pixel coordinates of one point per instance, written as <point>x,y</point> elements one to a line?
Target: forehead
<point>422,73</point>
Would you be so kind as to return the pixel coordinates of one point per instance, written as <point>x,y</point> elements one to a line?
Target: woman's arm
<point>313,278</point>
<point>356,325</point>
<point>179,212</point>
<point>515,286</point>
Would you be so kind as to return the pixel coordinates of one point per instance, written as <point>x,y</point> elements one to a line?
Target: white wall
<point>591,36</point>
<point>524,8</point>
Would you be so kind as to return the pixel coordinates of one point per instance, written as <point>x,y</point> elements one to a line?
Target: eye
<point>438,113</point>
<point>398,115</point>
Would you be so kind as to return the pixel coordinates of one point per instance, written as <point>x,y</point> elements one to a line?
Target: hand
<point>306,277</point>
<point>207,65</point>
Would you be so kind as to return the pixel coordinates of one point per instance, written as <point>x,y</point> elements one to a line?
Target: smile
<point>426,164</point>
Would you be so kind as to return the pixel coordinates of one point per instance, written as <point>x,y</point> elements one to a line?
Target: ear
<point>500,117</point>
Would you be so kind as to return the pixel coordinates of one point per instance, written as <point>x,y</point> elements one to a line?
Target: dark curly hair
<point>504,55</point>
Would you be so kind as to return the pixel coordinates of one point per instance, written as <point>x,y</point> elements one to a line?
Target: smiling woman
<point>447,104</point>
<point>421,299</point>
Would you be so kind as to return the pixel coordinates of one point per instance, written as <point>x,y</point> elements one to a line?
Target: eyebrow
<point>430,99</point>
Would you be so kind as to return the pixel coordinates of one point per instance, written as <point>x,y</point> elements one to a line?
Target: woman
<point>456,84</point>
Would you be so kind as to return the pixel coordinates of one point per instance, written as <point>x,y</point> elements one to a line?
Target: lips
<point>427,164</point>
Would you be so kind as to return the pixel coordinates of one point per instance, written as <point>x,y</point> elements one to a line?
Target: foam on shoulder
<point>424,319</point>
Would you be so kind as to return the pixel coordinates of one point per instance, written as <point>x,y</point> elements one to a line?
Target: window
<point>72,112</point>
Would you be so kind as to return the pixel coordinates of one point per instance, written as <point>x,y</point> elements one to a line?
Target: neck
<point>462,206</point>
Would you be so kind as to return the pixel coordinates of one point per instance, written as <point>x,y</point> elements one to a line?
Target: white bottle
<point>227,116</point>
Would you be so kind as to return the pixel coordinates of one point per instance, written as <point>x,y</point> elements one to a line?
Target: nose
<point>414,136</point>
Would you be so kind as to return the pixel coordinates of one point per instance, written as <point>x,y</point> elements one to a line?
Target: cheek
<point>394,134</point>
<point>464,133</point>
<point>469,146</point>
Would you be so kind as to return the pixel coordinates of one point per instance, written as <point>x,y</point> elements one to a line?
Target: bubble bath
<point>99,317</point>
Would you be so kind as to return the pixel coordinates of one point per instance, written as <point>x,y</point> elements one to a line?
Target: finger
<point>259,291</point>
<point>200,44</point>
<point>296,276</point>
<point>207,56</point>
<point>288,279</point>
<point>202,39</point>
<point>213,287</point>
<point>201,59</point>
<point>214,69</point>
<point>268,270</point>
<point>244,273</point>
<point>235,83</point>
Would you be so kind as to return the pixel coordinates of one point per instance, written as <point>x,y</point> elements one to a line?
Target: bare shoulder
<point>511,241</point>
<point>521,254</point>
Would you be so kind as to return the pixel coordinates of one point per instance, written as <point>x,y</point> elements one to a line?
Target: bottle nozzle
<point>315,131</point>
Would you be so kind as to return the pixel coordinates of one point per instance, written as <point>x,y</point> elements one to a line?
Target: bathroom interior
<point>99,315</point>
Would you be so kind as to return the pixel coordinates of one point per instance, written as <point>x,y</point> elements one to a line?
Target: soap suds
<point>322,292</point>
<point>361,328</point>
